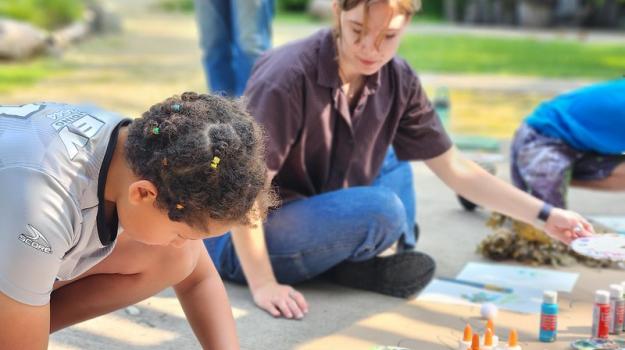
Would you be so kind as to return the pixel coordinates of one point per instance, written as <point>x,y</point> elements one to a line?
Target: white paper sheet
<point>522,300</point>
<point>519,276</point>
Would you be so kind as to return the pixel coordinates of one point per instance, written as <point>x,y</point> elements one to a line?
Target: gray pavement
<point>448,233</point>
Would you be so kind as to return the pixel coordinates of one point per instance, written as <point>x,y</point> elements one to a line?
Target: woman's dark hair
<point>205,155</point>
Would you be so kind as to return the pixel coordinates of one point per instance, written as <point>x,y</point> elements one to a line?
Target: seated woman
<point>99,212</point>
<point>577,138</point>
<point>343,115</point>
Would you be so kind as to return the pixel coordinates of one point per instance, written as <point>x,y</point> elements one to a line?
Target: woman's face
<point>365,50</point>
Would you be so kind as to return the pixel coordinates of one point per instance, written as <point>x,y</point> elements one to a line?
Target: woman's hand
<point>566,226</point>
<point>280,300</point>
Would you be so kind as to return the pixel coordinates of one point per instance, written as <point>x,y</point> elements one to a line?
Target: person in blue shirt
<point>577,138</point>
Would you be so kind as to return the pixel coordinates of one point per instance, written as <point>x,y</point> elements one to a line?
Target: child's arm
<point>205,303</point>
<point>474,183</point>
<point>23,326</point>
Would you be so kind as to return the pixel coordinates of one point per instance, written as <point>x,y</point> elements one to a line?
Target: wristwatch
<point>545,211</point>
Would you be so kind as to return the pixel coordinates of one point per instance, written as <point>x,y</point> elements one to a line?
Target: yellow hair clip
<point>215,162</point>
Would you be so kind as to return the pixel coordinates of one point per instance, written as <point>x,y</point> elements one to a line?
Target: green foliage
<point>47,14</point>
<point>431,9</point>
<point>547,58</point>
<point>177,5</point>
<point>292,5</point>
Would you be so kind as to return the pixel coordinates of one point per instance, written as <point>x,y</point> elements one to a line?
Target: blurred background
<point>486,63</point>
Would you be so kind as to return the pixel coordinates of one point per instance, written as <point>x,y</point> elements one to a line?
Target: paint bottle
<point>617,309</point>
<point>465,343</point>
<point>513,341</point>
<point>475,343</point>
<point>601,315</point>
<point>491,325</point>
<point>488,340</point>
<point>549,317</point>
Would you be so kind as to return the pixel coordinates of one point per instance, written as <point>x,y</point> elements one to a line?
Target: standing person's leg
<point>252,36</point>
<point>216,41</point>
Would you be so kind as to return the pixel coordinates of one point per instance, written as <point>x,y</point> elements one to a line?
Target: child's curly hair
<point>205,155</point>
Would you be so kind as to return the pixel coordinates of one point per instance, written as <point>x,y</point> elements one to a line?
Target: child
<point>577,138</point>
<point>333,104</point>
<point>189,168</point>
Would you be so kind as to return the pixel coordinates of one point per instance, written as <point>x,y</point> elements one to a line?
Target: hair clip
<point>175,107</point>
<point>215,162</point>
<point>165,162</point>
<point>179,206</point>
<point>156,130</point>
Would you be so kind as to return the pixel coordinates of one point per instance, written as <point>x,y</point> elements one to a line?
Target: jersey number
<point>23,111</point>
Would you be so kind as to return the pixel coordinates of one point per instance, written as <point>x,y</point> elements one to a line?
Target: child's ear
<point>142,191</point>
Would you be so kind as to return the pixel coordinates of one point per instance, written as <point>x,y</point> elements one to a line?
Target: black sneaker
<point>400,275</point>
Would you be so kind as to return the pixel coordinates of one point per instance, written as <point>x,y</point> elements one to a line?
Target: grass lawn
<point>22,74</point>
<point>481,55</point>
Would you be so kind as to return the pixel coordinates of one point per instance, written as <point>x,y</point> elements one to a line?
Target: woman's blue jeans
<point>309,236</point>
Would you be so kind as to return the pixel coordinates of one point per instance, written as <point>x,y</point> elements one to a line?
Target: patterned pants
<point>544,166</point>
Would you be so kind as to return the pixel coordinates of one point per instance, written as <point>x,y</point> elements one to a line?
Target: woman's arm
<point>268,294</point>
<point>23,326</point>
<point>471,181</point>
<point>205,303</point>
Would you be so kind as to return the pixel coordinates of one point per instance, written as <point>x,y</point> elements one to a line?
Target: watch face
<point>598,344</point>
<point>610,246</point>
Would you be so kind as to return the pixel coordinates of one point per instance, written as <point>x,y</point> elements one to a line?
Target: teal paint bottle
<point>549,317</point>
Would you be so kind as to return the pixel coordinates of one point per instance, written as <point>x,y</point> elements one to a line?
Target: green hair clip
<point>156,130</point>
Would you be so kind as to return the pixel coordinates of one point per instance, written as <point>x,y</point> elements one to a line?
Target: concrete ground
<point>156,57</point>
<point>342,318</point>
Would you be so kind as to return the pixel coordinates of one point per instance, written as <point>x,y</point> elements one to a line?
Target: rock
<point>102,18</point>
<point>19,40</point>
<point>97,19</point>
<point>66,36</point>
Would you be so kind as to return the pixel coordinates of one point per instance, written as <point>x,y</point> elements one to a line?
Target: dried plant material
<point>518,241</point>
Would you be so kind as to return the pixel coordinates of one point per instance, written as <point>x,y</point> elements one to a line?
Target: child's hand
<point>280,300</point>
<point>566,226</point>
